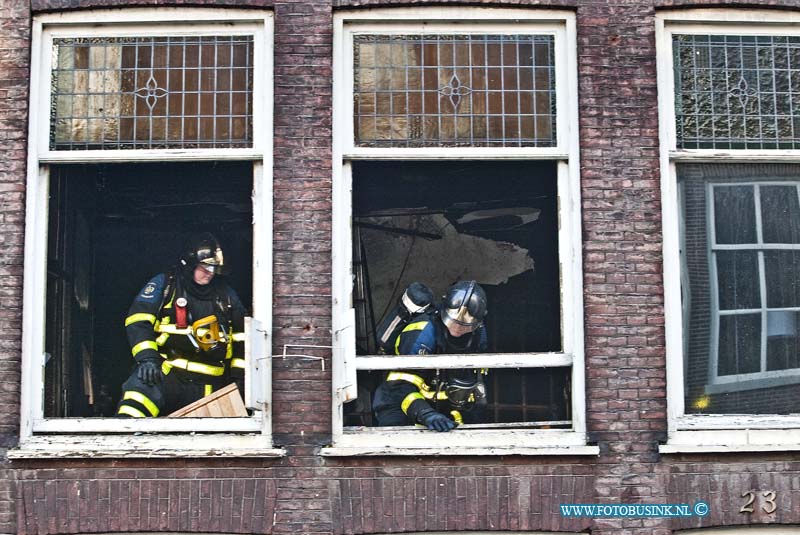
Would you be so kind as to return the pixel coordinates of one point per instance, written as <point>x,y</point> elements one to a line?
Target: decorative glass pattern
<point>454,90</point>
<point>737,92</point>
<point>152,93</point>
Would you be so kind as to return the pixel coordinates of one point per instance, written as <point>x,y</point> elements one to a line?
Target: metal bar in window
<point>495,395</point>
<point>760,114</point>
<point>519,94</point>
<point>438,77</point>
<point>524,396</point>
<point>184,91</point>
<point>390,90</point>
<point>472,86</point>
<point>486,115</point>
<point>502,91</point>
<point>762,279</point>
<point>135,100</point>
<point>407,87</point>
<point>151,108</point>
<point>231,137</point>
<point>215,86</point>
<point>535,67</point>
<point>774,92</point>
<point>790,95</point>
<point>728,102</point>
<point>199,121</point>
<point>168,82</point>
<point>249,87</point>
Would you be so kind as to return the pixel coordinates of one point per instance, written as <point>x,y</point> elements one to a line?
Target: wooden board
<point>225,402</point>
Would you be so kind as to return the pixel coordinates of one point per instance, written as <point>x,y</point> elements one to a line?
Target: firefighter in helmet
<point>438,399</point>
<point>185,329</point>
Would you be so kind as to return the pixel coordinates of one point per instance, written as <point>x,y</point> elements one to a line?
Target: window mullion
<point>762,280</point>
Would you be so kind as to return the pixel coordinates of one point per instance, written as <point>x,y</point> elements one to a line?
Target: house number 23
<point>767,501</point>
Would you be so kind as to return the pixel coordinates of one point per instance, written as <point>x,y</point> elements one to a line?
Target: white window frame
<point>185,437</point>
<point>708,432</point>
<point>462,441</point>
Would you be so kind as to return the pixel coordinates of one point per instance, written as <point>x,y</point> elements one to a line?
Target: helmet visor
<point>460,321</point>
<point>210,259</point>
<point>211,268</point>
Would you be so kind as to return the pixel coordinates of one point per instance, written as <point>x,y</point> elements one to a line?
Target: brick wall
<point>14,57</point>
<point>306,493</point>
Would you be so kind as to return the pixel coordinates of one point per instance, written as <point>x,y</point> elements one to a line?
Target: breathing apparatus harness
<point>462,393</point>
<point>204,333</point>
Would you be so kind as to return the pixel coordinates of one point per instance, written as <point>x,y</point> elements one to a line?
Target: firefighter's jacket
<point>417,391</point>
<point>201,347</point>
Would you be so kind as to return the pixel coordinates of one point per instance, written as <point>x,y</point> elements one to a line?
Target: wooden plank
<point>225,402</point>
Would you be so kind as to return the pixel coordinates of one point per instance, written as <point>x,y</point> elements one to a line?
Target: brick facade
<point>310,494</point>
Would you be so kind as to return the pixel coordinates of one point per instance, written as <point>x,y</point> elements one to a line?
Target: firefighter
<point>185,329</point>
<point>438,399</point>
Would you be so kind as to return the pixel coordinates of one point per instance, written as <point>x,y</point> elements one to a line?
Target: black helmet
<point>464,305</point>
<point>203,249</point>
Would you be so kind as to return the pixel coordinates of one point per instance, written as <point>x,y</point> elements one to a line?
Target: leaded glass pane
<point>152,93</point>
<point>454,90</point>
<point>737,92</point>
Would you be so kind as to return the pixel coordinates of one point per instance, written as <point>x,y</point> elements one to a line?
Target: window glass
<point>454,90</point>
<point>783,349</point>
<point>783,286</point>
<point>739,344</point>
<point>152,93</point>
<point>781,211</point>
<point>737,276</point>
<point>737,92</point>
<point>742,297</point>
<point>734,214</point>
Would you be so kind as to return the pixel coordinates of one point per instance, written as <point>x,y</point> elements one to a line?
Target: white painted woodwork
<point>48,437</point>
<point>707,433</point>
<point>560,24</point>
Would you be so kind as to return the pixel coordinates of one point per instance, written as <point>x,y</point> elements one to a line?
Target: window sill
<point>732,441</point>
<point>410,441</point>
<point>145,446</point>
<point>335,451</point>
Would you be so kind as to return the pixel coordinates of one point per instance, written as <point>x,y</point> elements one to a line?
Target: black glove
<point>149,371</point>
<point>437,421</point>
<point>217,352</point>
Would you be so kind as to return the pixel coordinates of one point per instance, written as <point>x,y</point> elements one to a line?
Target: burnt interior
<point>480,214</point>
<point>111,228</point>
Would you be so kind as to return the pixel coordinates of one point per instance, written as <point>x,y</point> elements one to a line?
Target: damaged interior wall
<point>440,222</point>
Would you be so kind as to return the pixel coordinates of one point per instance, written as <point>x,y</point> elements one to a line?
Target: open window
<point>141,134</point>
<point>455,158</point>
<point>730,168</point>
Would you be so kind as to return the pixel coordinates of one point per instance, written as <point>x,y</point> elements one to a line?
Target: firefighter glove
<point>149,371</point>
<point>437,421</point>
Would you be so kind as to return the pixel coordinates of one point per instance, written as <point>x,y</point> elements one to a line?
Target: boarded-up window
<point>152,93</point>
<point>454,90</point>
